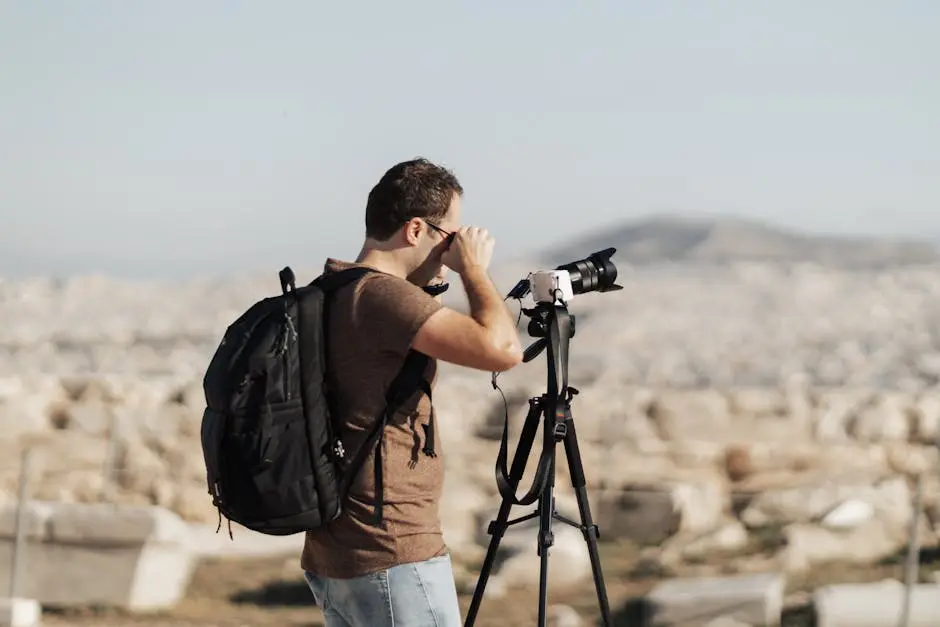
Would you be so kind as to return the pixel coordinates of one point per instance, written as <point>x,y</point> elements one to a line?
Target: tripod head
<point>553,327</point>
<point>541,318</point>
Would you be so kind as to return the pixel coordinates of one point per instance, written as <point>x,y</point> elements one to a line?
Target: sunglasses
<point>447,234</point>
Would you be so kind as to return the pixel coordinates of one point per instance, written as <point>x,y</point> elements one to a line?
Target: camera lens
<point>594,273</point>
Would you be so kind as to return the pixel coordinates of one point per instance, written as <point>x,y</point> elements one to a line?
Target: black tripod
<point>554,326</point>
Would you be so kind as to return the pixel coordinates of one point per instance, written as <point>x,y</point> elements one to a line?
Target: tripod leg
<point>591,533</point>
<point>546,536</point>
<point>498,527</point>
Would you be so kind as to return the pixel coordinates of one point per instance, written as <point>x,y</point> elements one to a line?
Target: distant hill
<point>724,240</point>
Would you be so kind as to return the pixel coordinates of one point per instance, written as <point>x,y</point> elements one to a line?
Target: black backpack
<point>275,461</point>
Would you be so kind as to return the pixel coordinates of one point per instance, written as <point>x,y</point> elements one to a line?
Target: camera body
<point>551,286</point>
<point>594,273</point>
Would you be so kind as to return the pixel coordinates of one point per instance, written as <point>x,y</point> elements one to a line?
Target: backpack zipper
<point>289,330</point>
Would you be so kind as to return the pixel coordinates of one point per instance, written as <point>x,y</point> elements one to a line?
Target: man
<point>399,573</point>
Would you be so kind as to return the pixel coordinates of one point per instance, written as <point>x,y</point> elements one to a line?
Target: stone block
<point>20,612</point>
<point>648,513</point>
<point>78,554</point>
<point>645,516</point>
<point>876,604</point>
<point>755,600</point>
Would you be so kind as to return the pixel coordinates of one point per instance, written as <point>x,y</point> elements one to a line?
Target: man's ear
<point>412,231</point>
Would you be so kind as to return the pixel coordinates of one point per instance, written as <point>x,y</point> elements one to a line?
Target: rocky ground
<point>268,591</point>
<point>755,416</point>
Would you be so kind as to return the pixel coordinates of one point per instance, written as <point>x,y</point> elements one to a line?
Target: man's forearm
<point>488,308</point>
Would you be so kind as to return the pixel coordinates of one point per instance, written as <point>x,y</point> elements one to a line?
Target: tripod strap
<point>559,350</point>
<point>507,487</point>
<point>561,408</point>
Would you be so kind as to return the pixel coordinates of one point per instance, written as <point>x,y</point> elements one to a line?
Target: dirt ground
<point>271,591</point>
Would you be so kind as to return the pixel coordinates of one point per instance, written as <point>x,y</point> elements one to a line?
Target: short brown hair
<point>410,189</point>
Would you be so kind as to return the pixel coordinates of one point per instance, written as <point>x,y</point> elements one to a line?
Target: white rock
<point>569,562</point>
<point>890,497</point>
<point>562,616</point>
<point>649,513</point>
<point>26,405</point>
<point>138,555</point>
<point>748,599</point>
<point>691,414</point>
<point>756,402</point>
<point>912,459</point>
<point>835,409</point>
<point>875,604</point>
<point>19,612</point>
<point>90,417</point>
<point>461,504</point>
<point>849,514</point>
<point>927,418</point>
<point>729,537</point>
<point>808,545</point>
<point>889,417</point>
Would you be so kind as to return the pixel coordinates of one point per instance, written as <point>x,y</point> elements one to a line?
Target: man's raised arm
<point>487,339</point>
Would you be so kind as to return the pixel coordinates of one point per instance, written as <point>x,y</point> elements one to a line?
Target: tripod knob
<point>534,350</point>
<point>546,540</point>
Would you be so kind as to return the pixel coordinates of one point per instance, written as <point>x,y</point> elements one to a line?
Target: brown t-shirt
<point>371,326</point>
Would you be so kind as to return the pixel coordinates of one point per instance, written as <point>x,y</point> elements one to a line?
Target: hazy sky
<point>174,138</point>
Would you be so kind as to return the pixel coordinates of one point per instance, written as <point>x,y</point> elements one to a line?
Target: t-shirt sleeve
<point>395,309</point>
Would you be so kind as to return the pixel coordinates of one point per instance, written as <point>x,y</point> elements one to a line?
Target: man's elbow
<point>508,357</point>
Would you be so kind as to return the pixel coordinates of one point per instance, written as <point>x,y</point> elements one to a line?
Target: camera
<point>594,273</point>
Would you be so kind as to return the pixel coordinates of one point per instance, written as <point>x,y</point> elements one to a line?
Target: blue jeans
<point>409,595</point>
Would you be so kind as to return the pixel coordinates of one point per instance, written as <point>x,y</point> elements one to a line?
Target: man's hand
<point>471,248</point>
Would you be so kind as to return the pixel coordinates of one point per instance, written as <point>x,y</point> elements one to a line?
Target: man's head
<point>410,213</point>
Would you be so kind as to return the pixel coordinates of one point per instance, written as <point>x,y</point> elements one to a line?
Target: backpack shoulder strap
<point>334,280</point>
<point>408,379</point>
